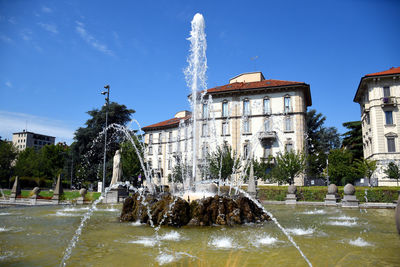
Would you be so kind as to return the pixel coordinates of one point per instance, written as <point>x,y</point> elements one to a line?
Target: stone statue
<point>117,170</point>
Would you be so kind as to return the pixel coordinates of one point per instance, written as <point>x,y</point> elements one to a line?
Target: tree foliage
<point>393,171</point>
<point>364,167</point>
<point>320,141</point>
<point>288,166</point>
<point>8,154</point>
<point>88,146</point>
<point>352,139</point>
<point>48,162</point>
<point>341,170</point>
<point>223,162</point>
<point>130,162</point>
<point>262,168</point>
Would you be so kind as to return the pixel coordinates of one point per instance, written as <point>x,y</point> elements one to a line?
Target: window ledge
<point>390,125</point>
<point>289,131</point>
<point>225,135</point>
<point>247,133</point>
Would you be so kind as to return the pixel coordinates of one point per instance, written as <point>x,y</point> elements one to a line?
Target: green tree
<point>8,154</point>
<point>222,162</point>
<point>341,170</point>
<point>320,140</point>
<point>262,167</point>
<point>47,163</point>
<point>393,171</point>
<point>88,146</point>
<point>130,162</point>
<point>365,167</point>
<point>180,171</point>
<point>288,166</point>
<point>352,139</point>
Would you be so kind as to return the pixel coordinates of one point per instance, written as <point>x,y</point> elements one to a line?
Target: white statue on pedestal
<point>117,170</point>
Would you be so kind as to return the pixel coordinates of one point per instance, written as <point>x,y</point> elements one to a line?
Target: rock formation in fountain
<point>167,209</point>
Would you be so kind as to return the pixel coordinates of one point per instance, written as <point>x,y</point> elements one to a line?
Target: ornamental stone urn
<point>291,197</point>
<point>332,197</point>
<point>349,200</point>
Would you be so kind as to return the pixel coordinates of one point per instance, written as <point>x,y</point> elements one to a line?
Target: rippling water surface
<point>38,236</point>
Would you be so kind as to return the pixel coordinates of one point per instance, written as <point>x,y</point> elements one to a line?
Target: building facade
<point>24,139</point>
<point>378,95</point>
<point>256,117</point>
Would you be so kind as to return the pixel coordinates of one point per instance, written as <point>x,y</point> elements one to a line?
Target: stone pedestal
<point>349,200</point>
<point>291,199</point>
<point>116,195</point>
<point>332,197</point>
<point>81,199</point>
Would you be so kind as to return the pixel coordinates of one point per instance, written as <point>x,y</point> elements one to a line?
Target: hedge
<point>68,195</point>
<point>318,193</point>
<point>31,182</point>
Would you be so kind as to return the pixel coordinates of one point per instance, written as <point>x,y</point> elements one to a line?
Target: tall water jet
<point>195,75</point>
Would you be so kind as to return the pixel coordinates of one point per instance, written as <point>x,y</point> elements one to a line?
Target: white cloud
<point>88,38</point>
<point>46,9</point>
<point>5,39</point>
<point>11,122</point>
<point>26,34</point>
<point>49,27</point>
<point>8,84</point>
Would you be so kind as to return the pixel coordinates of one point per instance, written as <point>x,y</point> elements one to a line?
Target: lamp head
<point>107,86</point>
<point>104,93</point>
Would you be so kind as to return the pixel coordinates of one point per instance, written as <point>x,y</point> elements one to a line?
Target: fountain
<point>107,242</point>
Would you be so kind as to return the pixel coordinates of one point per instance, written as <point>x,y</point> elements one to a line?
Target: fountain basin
<point>349,236</point>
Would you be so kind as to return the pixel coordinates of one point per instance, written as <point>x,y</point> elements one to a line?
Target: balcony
<point>388,101</point>
<point>266,136</point>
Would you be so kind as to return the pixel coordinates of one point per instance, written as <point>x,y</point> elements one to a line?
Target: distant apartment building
<point>256,117</point>
<point>24,139</point>
<point>379,96</point>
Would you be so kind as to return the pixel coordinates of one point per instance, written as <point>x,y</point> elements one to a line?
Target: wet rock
<point>170,210</point>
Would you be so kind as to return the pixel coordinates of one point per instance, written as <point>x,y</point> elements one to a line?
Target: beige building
<point>24,139</point>
<point>257,117</point>
<point>378,95</point>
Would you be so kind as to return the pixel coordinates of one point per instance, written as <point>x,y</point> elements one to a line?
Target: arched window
<point>287,104</point>
<point>225,108</point>
<point>246,107</point>
<point>267,106</point>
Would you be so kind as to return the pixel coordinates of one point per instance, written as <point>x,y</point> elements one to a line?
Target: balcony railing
<point>388,101</point>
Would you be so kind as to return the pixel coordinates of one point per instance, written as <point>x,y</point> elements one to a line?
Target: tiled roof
<point>392,70</point>
<point>174,122</point>
<point>250,85</point>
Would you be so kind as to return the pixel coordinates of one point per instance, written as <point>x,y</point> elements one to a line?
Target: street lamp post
<point>105,136</point>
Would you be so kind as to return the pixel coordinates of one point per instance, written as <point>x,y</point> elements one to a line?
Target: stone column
<point>291,197</point>
<point>332,197</point>
<point>16,190</point>
<point>349,200</point>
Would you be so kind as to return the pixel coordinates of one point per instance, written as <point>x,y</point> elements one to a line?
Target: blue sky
<point>56,56</point>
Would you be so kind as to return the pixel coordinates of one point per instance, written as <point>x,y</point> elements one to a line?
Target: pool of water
<point>38,236</point>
